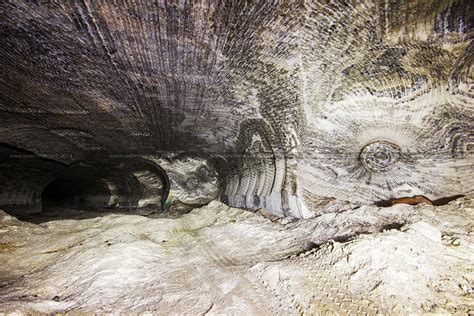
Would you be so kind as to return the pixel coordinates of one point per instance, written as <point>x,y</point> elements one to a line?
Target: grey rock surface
<point>222,260</point>
<point>288,99</point>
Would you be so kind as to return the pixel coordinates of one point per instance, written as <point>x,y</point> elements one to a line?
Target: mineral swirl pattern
<point>296,102</point>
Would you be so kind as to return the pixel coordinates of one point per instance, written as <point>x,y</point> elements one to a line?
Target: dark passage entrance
<point>77,192</point>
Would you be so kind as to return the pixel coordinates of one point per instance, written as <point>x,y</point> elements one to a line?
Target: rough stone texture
<point>222,260</point>
<point>26,176</point>
<point>193,181</point>
<point>307,112</point>
<point>120,182</point>
<point>282,95</point>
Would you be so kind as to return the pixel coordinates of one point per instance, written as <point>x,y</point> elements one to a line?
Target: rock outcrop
<point>293,101</point>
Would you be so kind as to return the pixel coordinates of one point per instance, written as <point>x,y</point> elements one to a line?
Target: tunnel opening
<point>73,193</point>
<point>38,189</point>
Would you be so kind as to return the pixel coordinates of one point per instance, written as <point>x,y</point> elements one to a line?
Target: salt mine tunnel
<point>237,157</point>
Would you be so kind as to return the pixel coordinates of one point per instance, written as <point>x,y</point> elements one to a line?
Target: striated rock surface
<point>193,181</point>
<point>294,101</point>
<point>311,115</point>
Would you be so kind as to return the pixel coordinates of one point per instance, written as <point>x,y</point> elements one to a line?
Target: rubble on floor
<point>223,260</point>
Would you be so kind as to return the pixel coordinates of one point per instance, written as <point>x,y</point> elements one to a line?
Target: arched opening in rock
<point>216,157</point>
<point>68,193</point>
<point>35,188</point>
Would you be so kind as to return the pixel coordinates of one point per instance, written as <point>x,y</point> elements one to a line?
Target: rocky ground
<point>222,260</point>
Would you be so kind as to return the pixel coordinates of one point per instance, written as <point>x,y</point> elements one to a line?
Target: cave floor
<point>223,260</point>
<point>60,212</point>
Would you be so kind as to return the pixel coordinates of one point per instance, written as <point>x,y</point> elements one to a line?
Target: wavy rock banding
<point>288,99</point>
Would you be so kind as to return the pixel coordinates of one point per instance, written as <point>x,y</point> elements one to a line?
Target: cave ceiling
<point>359,100</point>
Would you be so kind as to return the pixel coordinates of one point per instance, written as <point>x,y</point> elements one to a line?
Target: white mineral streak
<point>314,81</point>
<point>221,260</point>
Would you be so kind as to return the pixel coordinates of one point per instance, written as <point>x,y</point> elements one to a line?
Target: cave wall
<point>192,180</point>
<point>293,101</point>
<point>25,177</point>
<point>32,184</point>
